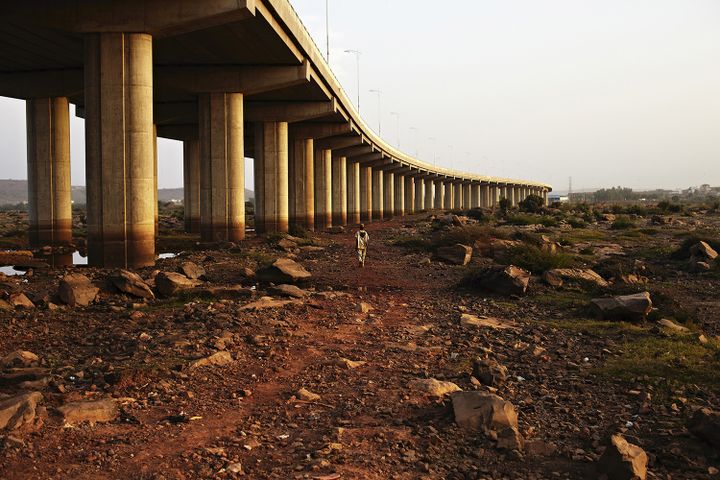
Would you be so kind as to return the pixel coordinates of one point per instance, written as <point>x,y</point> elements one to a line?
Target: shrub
<point>667,207</point>
<point>622,223</point>
<point>532,220</point>
<point>476,214</point>
<point>467,235</point>
<point>532,204</point>
<point>504,205</point>
<point>536,260</point>
<point>577,222</point>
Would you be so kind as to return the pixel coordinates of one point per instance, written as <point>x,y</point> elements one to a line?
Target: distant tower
<point>569,187</point>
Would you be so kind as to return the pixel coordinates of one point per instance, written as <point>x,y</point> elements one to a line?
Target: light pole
<point>432,139</point>
<point>357,54</point>
<point>451,148</point>
<point>415,139</point>
<point>397,117</point>
<point>379,92</point>
<point>327,29</point>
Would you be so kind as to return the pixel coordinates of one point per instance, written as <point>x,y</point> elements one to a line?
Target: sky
<point>608,92</point>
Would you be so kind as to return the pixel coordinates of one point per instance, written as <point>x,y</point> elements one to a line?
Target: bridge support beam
<point>353,192</point>
<point>409,195</point>
<point>323,189</point>
<point>419,194</point>
<point>119,149</point>
<point>475,195</point>
<point>339,191</point>
<point>449,196</point>
<point>484,196</point>
<point>301,186</point>
<point>428,194</point>
<point>389,194</point>
<point>191,185</point>
<point>466,196</point>
<point>439,203</point>
<point>48,166</point>
<point>457,196</point>
<point>366,193</point>
<point>222,167</point>
<point>399,192</point>
<point>377,194</point>
<point>271,177</point>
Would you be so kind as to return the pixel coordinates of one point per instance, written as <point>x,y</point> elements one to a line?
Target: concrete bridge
<point>230,78</point>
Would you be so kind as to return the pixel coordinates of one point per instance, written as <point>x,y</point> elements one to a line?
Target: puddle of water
<point>167,255</point>
<point>11,271</point>
<point>78,259</point>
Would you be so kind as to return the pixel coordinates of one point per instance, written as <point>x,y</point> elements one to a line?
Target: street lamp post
<point>432,139</point>
<point>327,29</point>
<point>415,139</point>
<point>379,93</point>
<point>397,117</point>
<point>357,54</point>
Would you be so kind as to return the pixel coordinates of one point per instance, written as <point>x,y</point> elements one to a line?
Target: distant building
<point>558,198</point>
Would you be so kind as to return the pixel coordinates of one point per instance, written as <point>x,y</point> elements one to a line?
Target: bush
<point>667,207</point>
<point>622,223</point>
<point>577,222</point>
<point>536,260</point>
<point>504,204</point>
<point>467,235</point>
<point>476,214</point>
<point>532,220</point>
<point>532,204</point>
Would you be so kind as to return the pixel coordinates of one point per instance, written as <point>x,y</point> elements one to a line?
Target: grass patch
<point>596,327</point>
<point>580,235</point>
<point>622,223</point>
<point>467,235</point>
<point>521,219</point>
<point>537,260</point>
<point>566,299</point>
<point>649,231</point>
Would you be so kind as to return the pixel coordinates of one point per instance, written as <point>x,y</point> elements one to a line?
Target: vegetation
<point>523,219</point>
<point>532,204</point>
<point>622,223</point>
<point>537,260</point>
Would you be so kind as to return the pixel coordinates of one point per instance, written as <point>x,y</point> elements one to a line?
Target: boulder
<point>457,254</point>
<point>192,270</point>
<point>283,270</point>
<point>624,307</point>
<point>216,359</point>
<point>288,291</point>
<point>19,358</point>
<point>489,372</point>
<point>76,289</point>
<point>20,300</point>
<point>702,250</point>
<point>307,395</point>
<point>131,283</point>
<point>347,363</point>
<point>487,412</point>
<point>287,245</point>
<point>169,283</point>
<point>467,320</point>
<point>505,280</point>
<point>225,292</point>
<point>705,424</point>
<point>623,461</point>
<point>19,411</point>
<point>587,277</point>
<point>432,387</point>
<point>268,302</point>
<point>98,411</point>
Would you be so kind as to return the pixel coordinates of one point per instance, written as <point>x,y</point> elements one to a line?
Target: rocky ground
<point>220,372</point>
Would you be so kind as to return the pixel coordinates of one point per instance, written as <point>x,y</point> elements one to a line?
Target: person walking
<point>362,239</point>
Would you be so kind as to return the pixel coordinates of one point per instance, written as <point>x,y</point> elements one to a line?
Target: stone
<point>287,245</point>
<point>347,363</point>
<point>364,307</point>
<point>98,411</point>
<point>5,305</point>
<point>489,372</point>
<point>702,250</point>
<point>169,283</point>
<point>76,289</point>
<point>623,460</point>
<point>216,359</point>
<point>131,283</point>
<point>705,424</point>
<point>587,277</point>
<point>432,387</point>
<point>19,411</point>
<point>307,395</point>
<point>547,244</point>
<point>268,302</point>
<point>467,320</point>
<point>634,307</point>
<point>510,280</point>
<point>19,358</point>
<point>248,273</point>
<point>225,292</point>
<point>487,412</point>
<point>192,270</point>
<point>336,229</point>
<point>540,448</point>
<point>288,291</point>
<point>283,270</point>
<point>457,254</point>
<point>672,325</point>
<point>20,300</point>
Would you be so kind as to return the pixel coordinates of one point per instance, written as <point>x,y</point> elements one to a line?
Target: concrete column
<point>271,177</point>
<point>475,195</point>
<point>323,189</point>
<point>449,196</point>
<point>399,192</point>
<point>366,193</point>
<point>48,168</point>
<point>191,185</point>
<point>493,196</point>
<point>353,192</point>
<point>457,196</point>
<point>466,196</point>
<point>301,183</point>
<point>439,203</point>
<point>485,196</point>
<point>419,194</point>
<point>119,149</point>
<point>339,191</point>
<point>155,175</point>
<point>429,195</point>
<point>377,194</point>
<point>409,195</point>
<point>389,194</point>
<point>545,197</point>
<point>222,167</point>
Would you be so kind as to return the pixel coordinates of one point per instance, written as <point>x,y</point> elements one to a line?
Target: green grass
<point>592,326</point>
<point>536,260</point>
<point>622,223</point>
<point>522,219</point>
<point>579,235</point>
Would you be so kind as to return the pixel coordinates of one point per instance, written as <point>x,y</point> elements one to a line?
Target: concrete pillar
<point>466,196</point>
<point>366,193</point>
<point>475,195</point>
<point>222,167</point>
<point>191,185</point>
<point>457,196</point>
<point>339,191</point>
<point>271,177</point>
<point>377,194</point>
<point>353,192</point>
<point>409,195</point>
<point>419,194</point>
<point>399,191</point>
<point>155,182</point>
<point>485,196</point>
<point>449,196</point>
<point>429,194</point>
<point>545,197</point>
<point>119,149</point>
<point>439,203</point>
<point>493,196</point>
<point>48,169</point>
<point>301,183</point>
<point>389,194</point>
<point>323,189</point>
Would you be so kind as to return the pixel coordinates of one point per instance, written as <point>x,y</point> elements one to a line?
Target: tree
<point>532,204</point>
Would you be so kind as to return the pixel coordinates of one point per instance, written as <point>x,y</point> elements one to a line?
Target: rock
<point>287,245</point>
<point>488,412</point>
<point>633,279</point>
<point>288,291</point>
<point>705,424</point>
<point>547,244</point>
<point>235,468</point>
<point>540,448</point>
<point>624,307</point>
<point>192,270</point>
<point>557,277</point>
<point>700,266</point>
<point>623,460</point>
<point>19,358</point>
<point>336,229</point>
<point>5,305</point>
<point>268,302</point>
<point>467,320</point>
<point>20,300</point>
<point>307,395</point>
<point>229,292</point>
<point>19,411</point>
<point>608,217</point>
<point>432,387</point>
<point>505,280</point>
<point>248,273</point>
<point>489,372</point>
<point>216,359</point>
<point>364,307</point>
<point>702,250</point>
<point>169,283</point>
<point>457,254</point>
<point>672,325</point>
<point>99,411</point>
<point>312,248</point>
<point>131,283</point>
<point>283,270</point>
<point>76,289</point>
<point>346,363</point>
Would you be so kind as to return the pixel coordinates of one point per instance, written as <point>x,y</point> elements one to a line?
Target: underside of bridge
<point>229,78</point>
